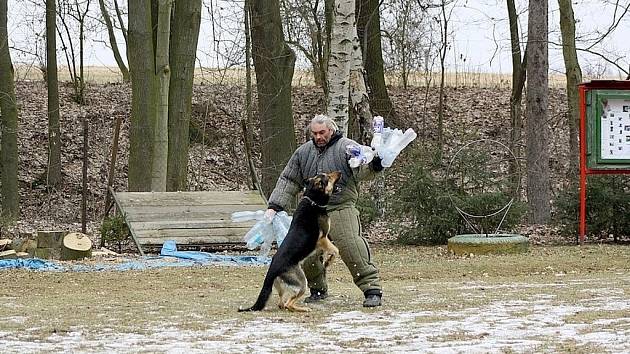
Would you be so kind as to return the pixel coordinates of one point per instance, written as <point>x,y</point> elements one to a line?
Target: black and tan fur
<point>308,233</point>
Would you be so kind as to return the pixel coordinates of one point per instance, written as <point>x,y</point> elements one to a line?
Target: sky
<point>480,35</point>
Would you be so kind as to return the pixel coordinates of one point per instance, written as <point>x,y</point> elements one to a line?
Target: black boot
<point>316,295</point>
<point>372,298</point>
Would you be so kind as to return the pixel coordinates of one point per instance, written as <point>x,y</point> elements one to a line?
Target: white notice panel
<point>615,130</point>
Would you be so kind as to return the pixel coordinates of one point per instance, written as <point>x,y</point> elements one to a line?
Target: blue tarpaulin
<point>169,257</point>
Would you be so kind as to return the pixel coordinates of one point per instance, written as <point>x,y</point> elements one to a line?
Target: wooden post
<point>112,170</point>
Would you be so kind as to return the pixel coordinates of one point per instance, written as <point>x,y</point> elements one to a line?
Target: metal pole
<point>583,171</point>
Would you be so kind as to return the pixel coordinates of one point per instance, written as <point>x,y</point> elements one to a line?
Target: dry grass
<point>236,76</point>
<point>432,300</point>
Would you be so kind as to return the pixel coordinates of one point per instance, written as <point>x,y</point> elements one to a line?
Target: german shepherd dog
<point>308,233</point>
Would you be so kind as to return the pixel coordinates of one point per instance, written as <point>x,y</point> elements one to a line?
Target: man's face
<point>321,133</point>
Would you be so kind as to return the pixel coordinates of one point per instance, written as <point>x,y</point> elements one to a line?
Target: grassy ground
<point>553,299</point>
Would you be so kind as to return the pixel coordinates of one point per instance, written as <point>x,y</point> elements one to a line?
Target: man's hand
<point>269,214</point>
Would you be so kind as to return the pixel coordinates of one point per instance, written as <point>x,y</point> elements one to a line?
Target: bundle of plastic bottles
<point>387,145</point>
<point>265,231</point>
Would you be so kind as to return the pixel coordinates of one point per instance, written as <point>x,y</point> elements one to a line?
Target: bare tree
<point>273,63</point>
<point>519,64</point>
<point>538,187</point>
<point>77,11</point>
<point>145,92</point>
<point>112,41</point>
<point>369,33</point>
<point>54,132</point>
<point>574,77</point>
<point>306,27</point>
<point>184,38</point>
<point>8,127</point>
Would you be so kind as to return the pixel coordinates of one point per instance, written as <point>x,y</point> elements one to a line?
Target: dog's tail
<point>264,295</point>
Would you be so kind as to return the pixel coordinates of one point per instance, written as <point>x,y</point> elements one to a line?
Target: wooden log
<point>50,239</point>
<point>22,255</point>
<point>47,253</point>
<point>4,244</point>
<point>24,245</point>
<point>10,254</point>
<point>76,246</point>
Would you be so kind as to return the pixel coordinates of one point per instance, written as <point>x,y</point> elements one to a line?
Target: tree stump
<point>76,246</point>
<point>49,239</point>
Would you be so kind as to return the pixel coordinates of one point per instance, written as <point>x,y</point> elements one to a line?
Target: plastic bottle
<point>377,130</point>
<point>240,216</point>
<point>281,224</point>
<point>256,235</point>
<point>395,145</point>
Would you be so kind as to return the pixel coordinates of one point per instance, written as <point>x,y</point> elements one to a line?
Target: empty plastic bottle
<point>240,216</point>
<point>395,145</point>
<point>377,130</point>
<point>281,224</point>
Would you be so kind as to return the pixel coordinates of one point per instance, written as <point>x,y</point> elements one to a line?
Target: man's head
<point>322,129</point>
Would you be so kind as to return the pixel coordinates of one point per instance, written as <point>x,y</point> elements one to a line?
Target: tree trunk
<point>518,82</point>
<point>52,82</point>
<point>574,77</point>
<point>163,71</point>
<point>112,41</point>
<point>369,33</point>
<point>538,189</point>
<point>340,63</point>
<point>442,96</point>
<point>185,36</point>
<point>8,129</point>
<point>274,63</point>
<point>144,95</point>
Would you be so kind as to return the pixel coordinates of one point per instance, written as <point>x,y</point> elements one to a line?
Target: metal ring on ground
<point>488,244</point>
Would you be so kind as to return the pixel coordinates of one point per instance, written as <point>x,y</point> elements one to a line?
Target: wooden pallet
<point>186,217</point>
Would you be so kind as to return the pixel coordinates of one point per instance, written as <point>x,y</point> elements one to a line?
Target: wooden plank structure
<point>188,218</point>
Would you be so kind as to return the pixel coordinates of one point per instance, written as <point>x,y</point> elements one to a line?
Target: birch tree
<point>345,71</point>
<point>8,127</point>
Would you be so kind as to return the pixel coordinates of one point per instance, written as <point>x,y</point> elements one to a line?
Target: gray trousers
<point>345,233</point>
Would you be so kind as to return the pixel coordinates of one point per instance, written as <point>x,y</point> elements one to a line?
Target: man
<point>326,152</point>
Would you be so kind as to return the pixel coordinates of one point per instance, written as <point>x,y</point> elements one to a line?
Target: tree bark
<point>52,82</point>
<point>519,64</point>
<point>184,39</point>
<point>144,100</point>
<point>369,33</point>
<point>8,130</point>
<point>163,71</point>
<point>340,63</point>
<point>273,63</point>
<point>538,189</point>
<point>112,41</point>
<point>574,77</point>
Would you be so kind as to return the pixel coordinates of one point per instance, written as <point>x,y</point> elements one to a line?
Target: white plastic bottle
<point>377,129</point>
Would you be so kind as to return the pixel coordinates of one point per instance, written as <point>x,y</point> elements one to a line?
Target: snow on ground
<point>516,325</point>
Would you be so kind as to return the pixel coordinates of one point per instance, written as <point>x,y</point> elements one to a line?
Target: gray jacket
<point>309,160</point>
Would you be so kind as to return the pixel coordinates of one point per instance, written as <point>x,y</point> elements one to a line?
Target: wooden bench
<point>188,218</point>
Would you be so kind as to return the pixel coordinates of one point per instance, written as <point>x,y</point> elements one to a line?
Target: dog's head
<point>322,184</point>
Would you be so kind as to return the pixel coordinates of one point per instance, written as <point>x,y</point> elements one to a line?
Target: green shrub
<point>423,197</point>
<point>114,231</point>
<point>607,207</point>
